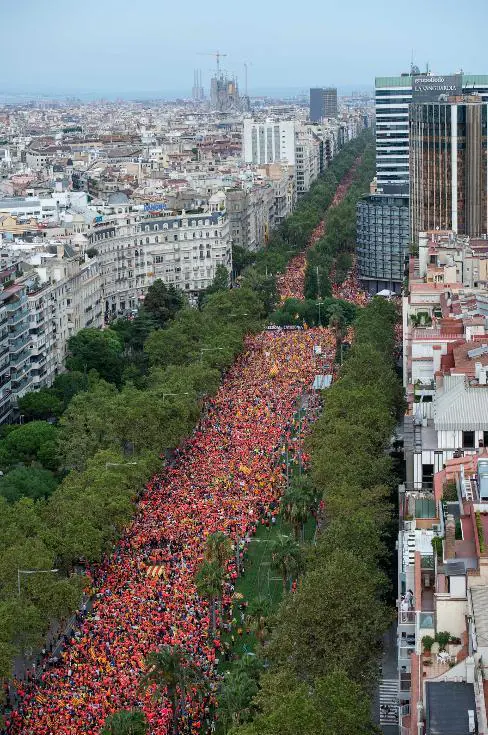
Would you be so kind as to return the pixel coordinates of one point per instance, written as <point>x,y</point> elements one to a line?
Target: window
<point>485,438</point>
<point>468,439</point>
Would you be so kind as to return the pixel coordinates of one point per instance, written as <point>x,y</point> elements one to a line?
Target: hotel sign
<point>429,89</point>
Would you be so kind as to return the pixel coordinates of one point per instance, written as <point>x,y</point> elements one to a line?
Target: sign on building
<point>429,89</point>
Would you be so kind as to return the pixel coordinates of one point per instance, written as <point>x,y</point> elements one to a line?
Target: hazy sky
<point>141,45</point>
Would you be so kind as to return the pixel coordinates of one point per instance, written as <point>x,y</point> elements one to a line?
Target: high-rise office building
<point>323,103</point>
<point>393,96</point>
<point>448,166</point>
<point>379,218</point>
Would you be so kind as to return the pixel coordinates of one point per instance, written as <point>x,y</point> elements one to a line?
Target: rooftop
<point>447,707</point>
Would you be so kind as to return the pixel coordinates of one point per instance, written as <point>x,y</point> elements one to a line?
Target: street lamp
<point>209,349</point>
<point>319,304</point>
<point>185,393</point>
<point>32,571</point>
<point>118,464</point>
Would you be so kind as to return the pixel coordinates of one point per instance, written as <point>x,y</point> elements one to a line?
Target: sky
<point>131,46</point>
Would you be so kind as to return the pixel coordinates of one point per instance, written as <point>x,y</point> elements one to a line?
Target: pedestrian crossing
<point>388,701</point>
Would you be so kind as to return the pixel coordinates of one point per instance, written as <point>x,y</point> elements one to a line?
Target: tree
<point>332,705</point>
<point>333,620</point>
<point>40,404</point>
<point>285,556</point>
<point>208,581</point>
<point>68,384</point>
<point>126,722</point>
<point>297,502</point>
<point>218,549</point>
<point>258,614</point>
<point>337,325</point>
<point>163,302</point>
<point>21,482</point>
<point>96,349</point>
<point>220,281</point>
<point>170,672</point>
<point>235,698</point>
<point>28,443</point>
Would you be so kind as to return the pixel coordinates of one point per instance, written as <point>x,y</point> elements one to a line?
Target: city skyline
<point>121,49</point>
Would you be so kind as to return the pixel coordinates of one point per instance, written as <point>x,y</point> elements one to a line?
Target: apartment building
<point>136,247</point>
<point>269,141</point>
<point>444,355</point>
<point>443,601</point>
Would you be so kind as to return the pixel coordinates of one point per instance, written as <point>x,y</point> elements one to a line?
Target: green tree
<point>235,699</point>
<point>208,581</point>
<point>257,615</point>
<point>285,556</point>
<point>97,349</point>
<point>40,405</point>
<point>32,483</point>
<point>171,673</point>
<point>220,281</point>
<point>163,302</point>
<point>298,501</point>
<point>67,385</point>
<point>333,620</point>
<point>28,443</point>
<point>126,722</point>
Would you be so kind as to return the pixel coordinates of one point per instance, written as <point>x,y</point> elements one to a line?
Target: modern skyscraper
<point>323,103</point>
<point>393,96</point>
<point>448,166</point>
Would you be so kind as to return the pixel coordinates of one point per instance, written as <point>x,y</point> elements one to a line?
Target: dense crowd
<point>291,283</point>
<point>350,289</point>
<point>227,477</point>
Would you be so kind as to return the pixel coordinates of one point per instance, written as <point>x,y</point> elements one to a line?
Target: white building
<point>269,141</point>
<point>135,248</point>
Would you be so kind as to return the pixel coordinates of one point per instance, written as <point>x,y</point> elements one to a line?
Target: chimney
<point>450,537</point>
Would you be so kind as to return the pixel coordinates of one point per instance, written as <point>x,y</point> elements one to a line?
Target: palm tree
<point>235,698</point>
<point>257,614</point>
<point>285,555</point>
<point>298,502</point>
<point>218,548</point>
<point>209,580</point>
<point>173,674</point>
<point>126,722</point>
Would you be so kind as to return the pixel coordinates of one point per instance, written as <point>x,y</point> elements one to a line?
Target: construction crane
<point>217,55</point>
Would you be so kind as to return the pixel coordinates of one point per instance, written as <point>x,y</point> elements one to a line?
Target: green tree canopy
<point>97,349</point>
<point>32,482</point>
<point>163,302</point>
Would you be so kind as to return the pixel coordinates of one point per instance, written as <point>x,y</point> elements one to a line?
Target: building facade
<point>269,141</point>
<point>393,96</point>
<point>382,241</point>
<point>448,166</point>
<point>323,103</point>
<point>135,249</point>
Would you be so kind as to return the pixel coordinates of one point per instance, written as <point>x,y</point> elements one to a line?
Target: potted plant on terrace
<point>427,643</point>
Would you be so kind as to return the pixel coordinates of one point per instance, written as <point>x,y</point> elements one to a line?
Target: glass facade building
<point>382,241</point>
<point>448,166</point>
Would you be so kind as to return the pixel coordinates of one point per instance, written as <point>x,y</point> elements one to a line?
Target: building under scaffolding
<point>224,93</point>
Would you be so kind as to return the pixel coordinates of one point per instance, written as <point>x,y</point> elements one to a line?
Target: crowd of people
<point>291,283</point>
<point>227,477</point>
<point>350,289</point>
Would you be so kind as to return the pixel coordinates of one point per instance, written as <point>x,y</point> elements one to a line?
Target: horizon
<point>128,48</point>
